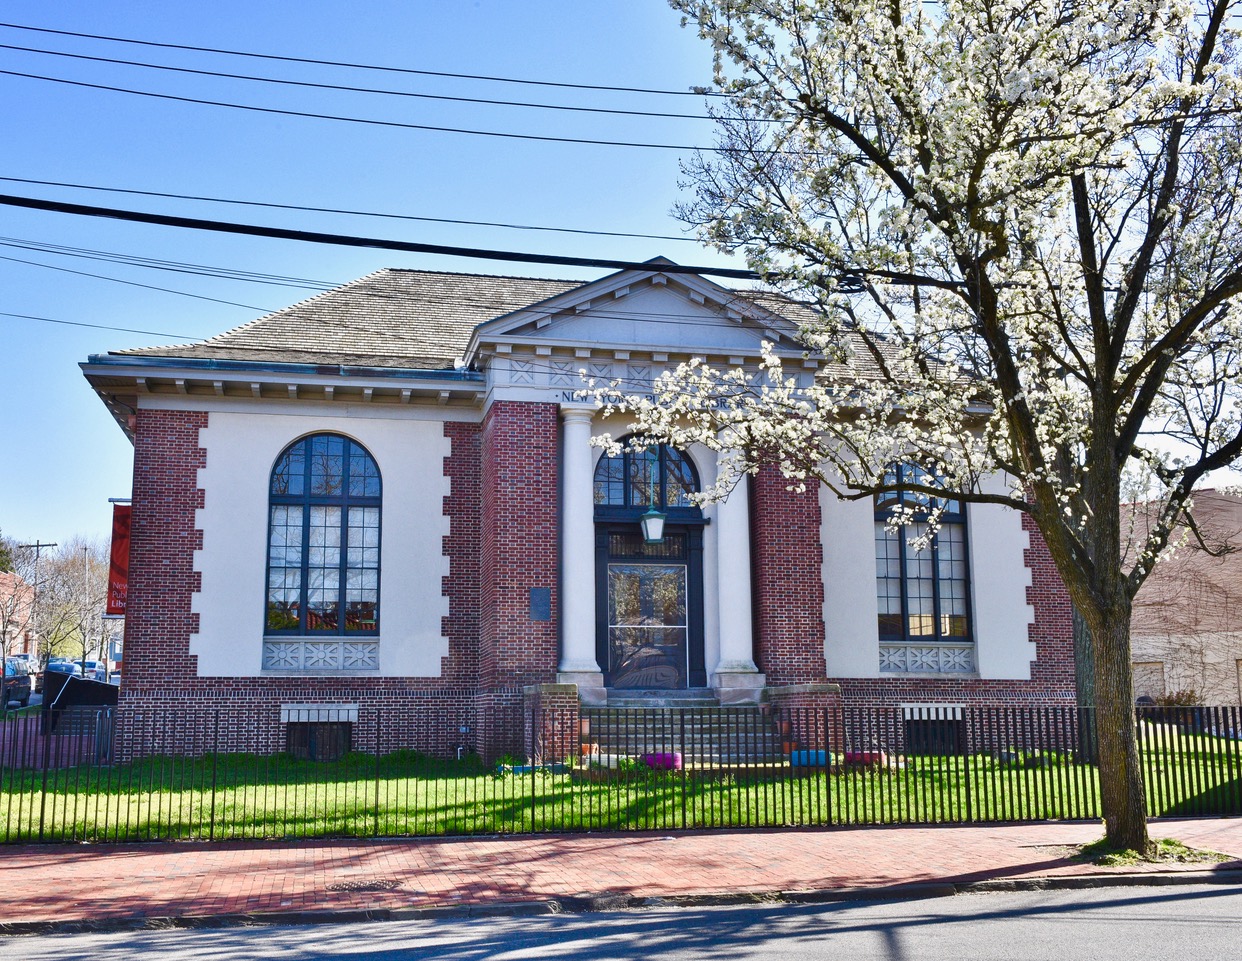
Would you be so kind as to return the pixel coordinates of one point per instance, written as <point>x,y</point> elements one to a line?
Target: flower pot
<point>663,761</point>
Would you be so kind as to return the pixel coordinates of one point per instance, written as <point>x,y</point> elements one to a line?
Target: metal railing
<point>102,775</point>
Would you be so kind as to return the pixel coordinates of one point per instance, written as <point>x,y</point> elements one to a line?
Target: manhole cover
<point>365,884</point>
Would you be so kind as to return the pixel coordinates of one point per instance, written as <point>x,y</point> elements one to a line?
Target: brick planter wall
<point>551,726</point>
<point>804,714</point>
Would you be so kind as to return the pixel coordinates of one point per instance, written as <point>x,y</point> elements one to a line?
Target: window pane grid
<point>657,476</point>
<point>324,539</point>
<point>922,596</point>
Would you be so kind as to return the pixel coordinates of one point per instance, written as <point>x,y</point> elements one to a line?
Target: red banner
<point>118,570</point>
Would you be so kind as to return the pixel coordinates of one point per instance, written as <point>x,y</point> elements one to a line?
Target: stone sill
<point>813,687</point>
<point>307,672</point>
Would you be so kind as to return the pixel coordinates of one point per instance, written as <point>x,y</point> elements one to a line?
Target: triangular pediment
<point>653,311</point>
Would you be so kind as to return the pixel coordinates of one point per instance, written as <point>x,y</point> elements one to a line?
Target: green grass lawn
<point>407,794</point>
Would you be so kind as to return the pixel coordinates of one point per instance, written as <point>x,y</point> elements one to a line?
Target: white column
<point>578,664</point>
<point>737,679</point>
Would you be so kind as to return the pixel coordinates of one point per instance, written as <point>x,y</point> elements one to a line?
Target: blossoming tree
<point>1016,221</point>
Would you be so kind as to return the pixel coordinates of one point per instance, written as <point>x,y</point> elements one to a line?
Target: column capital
<point>577,415</point>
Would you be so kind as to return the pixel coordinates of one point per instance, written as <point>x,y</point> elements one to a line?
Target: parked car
<point>95,670</point>
<point>61,666</point>
<point>16,682</point>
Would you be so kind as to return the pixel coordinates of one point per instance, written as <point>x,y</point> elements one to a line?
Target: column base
<point>739,687</point>
<point>590,685</point>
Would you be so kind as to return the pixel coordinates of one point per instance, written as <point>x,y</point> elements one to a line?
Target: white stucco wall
<point>241,447</point>
<point>998,582</point>
<point>851,641</point>
<point>999,578</point>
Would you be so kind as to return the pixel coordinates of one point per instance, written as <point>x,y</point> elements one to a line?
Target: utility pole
<point>37,547</point>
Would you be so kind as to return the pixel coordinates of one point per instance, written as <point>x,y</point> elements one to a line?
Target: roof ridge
<point>462,273</point>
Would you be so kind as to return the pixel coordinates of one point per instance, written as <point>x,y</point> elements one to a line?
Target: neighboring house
<point>1186,628</point>
<point>17,615</point>
<point>386,496</point>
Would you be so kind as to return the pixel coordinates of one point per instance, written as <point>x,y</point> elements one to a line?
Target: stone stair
<point>689,723</point>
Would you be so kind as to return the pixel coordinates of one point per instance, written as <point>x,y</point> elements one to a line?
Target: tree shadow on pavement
<point>891,929</point>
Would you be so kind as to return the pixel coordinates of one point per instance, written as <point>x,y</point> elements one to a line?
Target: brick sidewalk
<point>114,882</point>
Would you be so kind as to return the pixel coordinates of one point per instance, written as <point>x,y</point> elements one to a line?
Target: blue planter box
<point>531,768</point>
<point>810,758</point>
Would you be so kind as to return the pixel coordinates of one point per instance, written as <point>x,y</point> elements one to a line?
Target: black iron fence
<point>95,775</point>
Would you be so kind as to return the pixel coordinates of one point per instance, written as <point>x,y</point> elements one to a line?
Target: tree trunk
<point>1084,662</point>
<point>1121,777</point>
<point>1084,685</point>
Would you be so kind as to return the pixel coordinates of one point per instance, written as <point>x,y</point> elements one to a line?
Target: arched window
<point>323,539</point>
<point>924,596</point>
<point>658,476</point>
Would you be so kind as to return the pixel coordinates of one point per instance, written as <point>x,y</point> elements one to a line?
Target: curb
<point>587,904</point>
<point>271,918</point>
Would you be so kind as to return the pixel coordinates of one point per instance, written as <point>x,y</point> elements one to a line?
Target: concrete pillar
<point>736,677</point>
<point>578,664</point>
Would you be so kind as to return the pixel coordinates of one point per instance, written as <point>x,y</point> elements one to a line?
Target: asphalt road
<point>1186,923</point>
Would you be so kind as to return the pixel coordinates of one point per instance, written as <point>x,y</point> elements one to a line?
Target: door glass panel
<point>647,625</point>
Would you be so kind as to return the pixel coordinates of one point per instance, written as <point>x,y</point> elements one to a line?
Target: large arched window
<point>323,539</point>
<point>658,476</point>
<point>924,595</point>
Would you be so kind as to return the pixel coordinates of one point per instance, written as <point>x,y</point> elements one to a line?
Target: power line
<point>365,66</point>
<point>644,316</point>
<point>342,240</point>
<point>352,213</point>
<point>76,323</point>
<point>230,273</point>
<point>373,90</point>
<point>132,260</point>
<point>360,120</point>
<point>131,283</point>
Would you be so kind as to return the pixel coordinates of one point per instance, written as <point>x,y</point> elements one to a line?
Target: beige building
<point>1187,623</point>
<point>16,610</point>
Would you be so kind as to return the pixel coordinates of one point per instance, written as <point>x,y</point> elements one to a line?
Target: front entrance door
<point>649,608</point>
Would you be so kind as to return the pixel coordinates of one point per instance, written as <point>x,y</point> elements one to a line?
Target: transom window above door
<point>636,480</point>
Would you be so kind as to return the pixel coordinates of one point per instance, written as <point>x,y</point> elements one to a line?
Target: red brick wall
<point>463,508</point>
<point>787,565</point>
<point>163,539</point>
<point>519,545</point>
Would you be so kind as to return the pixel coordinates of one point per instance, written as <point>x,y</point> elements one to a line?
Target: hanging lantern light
<point>652,524</point>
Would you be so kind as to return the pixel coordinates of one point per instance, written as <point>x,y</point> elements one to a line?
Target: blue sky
<point>63,454</point>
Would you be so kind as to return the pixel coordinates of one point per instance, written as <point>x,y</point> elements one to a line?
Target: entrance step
<point>705,734</point>
<point>656,700</point>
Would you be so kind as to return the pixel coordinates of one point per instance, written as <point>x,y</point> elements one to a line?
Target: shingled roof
<point>421,320</point>
<point>417,319</point>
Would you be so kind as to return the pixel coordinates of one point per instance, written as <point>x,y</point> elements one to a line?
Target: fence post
<point>534,720</point>
<point>965,735</point>
<point>47,750</point>
<point>378,712</point>
<point>215,757</point>
<point>685,758</point>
